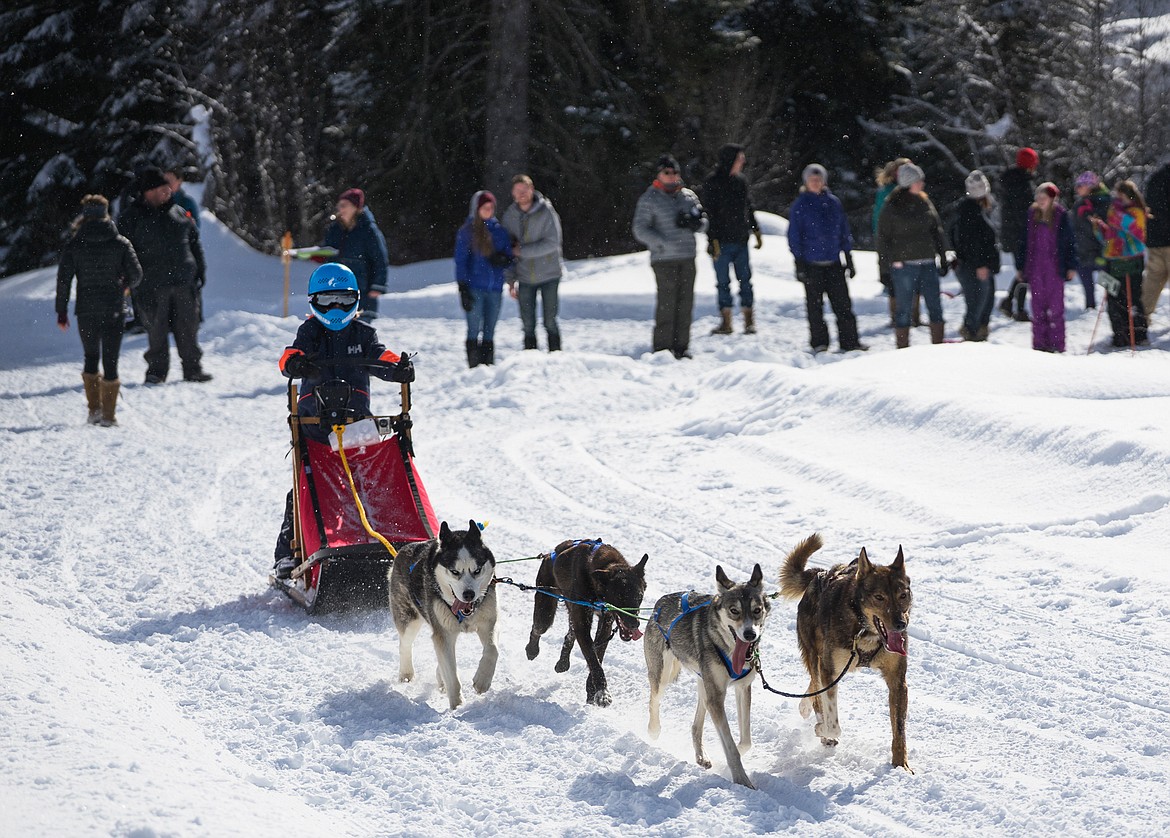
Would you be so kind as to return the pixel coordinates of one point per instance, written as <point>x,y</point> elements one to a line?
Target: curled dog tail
<point>794,577</point>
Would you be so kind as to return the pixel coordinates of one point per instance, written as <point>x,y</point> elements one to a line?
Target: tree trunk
<point>507,130</point>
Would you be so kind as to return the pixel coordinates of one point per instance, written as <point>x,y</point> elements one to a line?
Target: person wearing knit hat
<point>1123,238</point>
<point>818,236</point>
<point>483,252</point>
<point>1157,193</point>
<point>353,233</point>
<point>1092,201</point>
<point>1015,200</point>
<point>106,267</point>
<point>666,219</point>
<point>732,221</point>
<point>977,262</point>
<point>1046,258</point>
<point>886,180</point>
<point>909,240</point>
<point>150,177</point>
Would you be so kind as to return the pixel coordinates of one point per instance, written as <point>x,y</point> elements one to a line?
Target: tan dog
<point>859,607</point>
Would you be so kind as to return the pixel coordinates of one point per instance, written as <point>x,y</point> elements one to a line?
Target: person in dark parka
<point>106,268</point>
<point>976,256</point>
<point>731,220</point>
<point>1016,194</point>
<point>361,247</point>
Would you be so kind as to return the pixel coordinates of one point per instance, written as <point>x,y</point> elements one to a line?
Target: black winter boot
<point>473,353</point>
<point>530,342</point>
<point>487,353</point>
<point>554,341</point>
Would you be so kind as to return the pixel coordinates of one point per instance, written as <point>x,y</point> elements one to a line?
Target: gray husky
<point>711,636</point>
<point>447,583</point>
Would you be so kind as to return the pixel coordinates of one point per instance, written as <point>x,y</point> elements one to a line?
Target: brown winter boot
<point>749,322</point>
<point>901,337</point>
<point>93,396</point>
<point>936,332</point>
<point>724,327</point>
<point>109,401</point>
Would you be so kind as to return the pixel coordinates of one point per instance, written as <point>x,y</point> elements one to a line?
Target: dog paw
<point>406,677</point>
<point>703,762</point>
<point>653,730</point>
<point>532,650</point>
<point>482,686</point>
<point>601,698</point>
<point>455,700</point>
<point>832,743</point>
<point>806,708</point>
<point>562,665</point>
<point>744,747</point>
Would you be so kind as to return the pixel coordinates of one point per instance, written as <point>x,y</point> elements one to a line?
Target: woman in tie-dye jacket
<point>1123,239</point>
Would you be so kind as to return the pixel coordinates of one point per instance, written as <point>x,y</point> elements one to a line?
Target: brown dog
<point>588,572</point>
<point>858,607</point>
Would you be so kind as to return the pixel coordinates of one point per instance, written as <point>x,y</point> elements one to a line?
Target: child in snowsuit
<point>333,333</point>
<point>1047,257</point>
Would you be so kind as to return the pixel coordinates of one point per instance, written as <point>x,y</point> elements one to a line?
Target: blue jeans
<point>979,295</point>
<point>526,295</point>
<point>916,278</point>
<point>485,311</point>
<point>737,255</point>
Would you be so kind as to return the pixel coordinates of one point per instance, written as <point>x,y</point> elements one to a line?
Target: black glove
<point>403,371</point>
<point>943,265</point>
<point>691,219</point>
<point>849,269</point>
<point>466,298</point>
<point>299,366</point>
<point>801,270</point>
<point>500,260</point>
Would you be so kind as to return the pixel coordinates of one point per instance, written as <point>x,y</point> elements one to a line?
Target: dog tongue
<point>739,656</point>
<point>460,607</point>
<point>896,642</point>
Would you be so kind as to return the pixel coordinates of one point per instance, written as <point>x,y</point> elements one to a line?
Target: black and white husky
<point>447,583</point>
<point>712,636</point>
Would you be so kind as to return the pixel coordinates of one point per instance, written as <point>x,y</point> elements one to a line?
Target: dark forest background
<point>279,106</point>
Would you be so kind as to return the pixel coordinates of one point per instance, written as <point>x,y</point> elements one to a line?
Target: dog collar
<point>747,663</point>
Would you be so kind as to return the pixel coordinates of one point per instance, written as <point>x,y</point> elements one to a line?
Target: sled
<point>340,565</point>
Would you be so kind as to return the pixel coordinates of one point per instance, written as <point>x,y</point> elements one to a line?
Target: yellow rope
<point>340,431</point>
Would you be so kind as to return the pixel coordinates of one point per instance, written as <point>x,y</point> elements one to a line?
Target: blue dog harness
<point>687,608</point>
<point>596,542</point>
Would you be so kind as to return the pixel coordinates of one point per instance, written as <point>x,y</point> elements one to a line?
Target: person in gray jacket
<point>535,228</point>
<point>665,220</point>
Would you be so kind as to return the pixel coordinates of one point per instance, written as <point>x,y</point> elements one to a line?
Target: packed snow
<point>157,686</point>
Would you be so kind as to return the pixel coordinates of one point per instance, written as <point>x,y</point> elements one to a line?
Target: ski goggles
<point>326,300</point>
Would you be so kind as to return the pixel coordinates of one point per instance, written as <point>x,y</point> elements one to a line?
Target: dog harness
<point>596,542</point>
<point>687,608</point>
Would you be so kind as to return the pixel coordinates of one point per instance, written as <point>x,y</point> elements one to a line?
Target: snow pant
<point>731,254</point>
<point>1128,287</point>
<point>171,309</point>
<point>485,311</point>
<point>101,340</point>
<point>979,294</point>
<point>916,278</point>
<point>1088,282</point>
<point>675,305</point>
<point>829,280</point>
<point>548,291</point>
<point>1047,312</point>
<point>1157,272</point>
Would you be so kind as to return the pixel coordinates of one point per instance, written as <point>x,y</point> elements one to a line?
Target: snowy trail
<point>159,687</point>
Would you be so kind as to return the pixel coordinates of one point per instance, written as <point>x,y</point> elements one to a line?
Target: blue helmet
<point>334,295</point>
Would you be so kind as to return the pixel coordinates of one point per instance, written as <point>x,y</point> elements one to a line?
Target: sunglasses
<point>334,299</point>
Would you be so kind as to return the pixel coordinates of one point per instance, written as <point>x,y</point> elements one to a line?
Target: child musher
<point>332,333</point>
<point>1048,256</point>
<point>1123,238</point>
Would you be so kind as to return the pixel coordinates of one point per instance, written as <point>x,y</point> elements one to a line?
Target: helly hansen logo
<point>355,350</point>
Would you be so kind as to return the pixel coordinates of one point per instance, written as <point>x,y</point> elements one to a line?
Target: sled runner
<point>341,564</point>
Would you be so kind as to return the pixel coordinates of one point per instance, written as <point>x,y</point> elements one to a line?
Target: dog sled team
<point>359,530</point>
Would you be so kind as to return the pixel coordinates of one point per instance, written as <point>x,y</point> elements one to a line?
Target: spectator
<point>173,273</point>
<point>818,234</point>
<point>333,332</point>
<point>910,237</point>
<point>360,246</point>
<point>106,267</point>
<point>1123,237</point>
<point>666,219</point>
<point>886,179</point>
<point>535,229</point>
<point>1016,193</point>
<point>976,255</point>
<point>1157,238</point>
<point>731,220</point>
<point>174,178</point>
<point>1047,258</point>
<point>1092,201</point>
<point>483,250</point>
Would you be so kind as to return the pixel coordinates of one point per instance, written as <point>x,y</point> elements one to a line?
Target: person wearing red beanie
<point>1016,194</point>
<point>361,247</point>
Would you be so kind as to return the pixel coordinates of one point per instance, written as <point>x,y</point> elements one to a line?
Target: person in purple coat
<point>1048,256</point>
